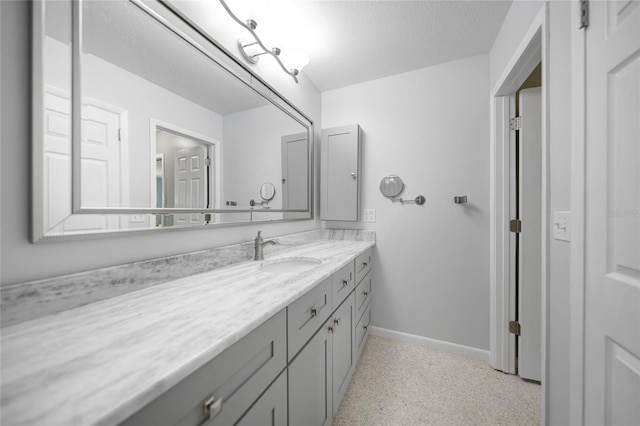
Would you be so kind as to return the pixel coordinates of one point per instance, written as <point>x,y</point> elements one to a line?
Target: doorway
<point>531,51</point>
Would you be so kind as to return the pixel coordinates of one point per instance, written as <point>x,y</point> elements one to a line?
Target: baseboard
<point>440,345</point>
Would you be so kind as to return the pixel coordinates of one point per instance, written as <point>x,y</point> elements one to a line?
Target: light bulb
<point>294,59</point>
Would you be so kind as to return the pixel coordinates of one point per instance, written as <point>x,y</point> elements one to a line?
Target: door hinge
<point>515,225</point>
<point>120,135</point>
<point>514,327</point>
<point>515,123</point>
<point>584,14</point>
<point>207,162</point>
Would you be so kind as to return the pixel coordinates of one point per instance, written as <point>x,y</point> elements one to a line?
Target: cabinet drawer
<point>363,265</point>
<point>307,314</point>
<point>237,377</point>
<point>343,282</point>
<point>362,329</point>
<point>363,294</point>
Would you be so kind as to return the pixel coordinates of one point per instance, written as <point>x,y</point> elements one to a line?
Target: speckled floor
<point>398,383</point>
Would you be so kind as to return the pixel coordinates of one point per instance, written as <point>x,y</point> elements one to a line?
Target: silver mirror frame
<point>171,18</point>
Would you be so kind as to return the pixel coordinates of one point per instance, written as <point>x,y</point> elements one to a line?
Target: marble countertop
<point>100,363</point>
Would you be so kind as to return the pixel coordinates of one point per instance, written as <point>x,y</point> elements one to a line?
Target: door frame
<point>215,147</point>
<point>532,49</point>
<point>578,215</point>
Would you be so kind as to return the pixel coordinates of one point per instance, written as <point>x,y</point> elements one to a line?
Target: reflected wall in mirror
<point>142,122</point>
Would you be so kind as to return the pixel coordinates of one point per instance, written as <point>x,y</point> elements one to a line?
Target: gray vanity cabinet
<point>344,358</point>
<point>340,178</point>
<point>293,369</point>
<point>310,377</point>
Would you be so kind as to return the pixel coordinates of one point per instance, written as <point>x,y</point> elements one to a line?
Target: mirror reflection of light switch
<point>562,226</point>
<point>369,215</point>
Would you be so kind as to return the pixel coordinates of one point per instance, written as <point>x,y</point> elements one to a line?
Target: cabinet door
<point>340,173</point>
<point>310,387</point>
<point>343,348</point>
<point>362,330</point>
<point>271,408</point>
<point>363,295</point>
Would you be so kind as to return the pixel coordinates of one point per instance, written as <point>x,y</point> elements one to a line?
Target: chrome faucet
<point>259,245</point>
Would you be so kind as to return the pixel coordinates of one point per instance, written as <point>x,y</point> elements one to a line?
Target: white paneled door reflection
<point>102,171</point>
<point>190,183</point>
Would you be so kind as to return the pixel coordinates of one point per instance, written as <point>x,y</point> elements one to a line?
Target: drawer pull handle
<point>315,311</point>
<point>345,283</point>
<point>336,321</point>
<point>212,407</point>
<point>366,293</point>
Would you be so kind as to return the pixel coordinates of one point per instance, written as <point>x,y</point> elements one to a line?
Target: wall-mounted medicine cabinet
<point>340,171</point>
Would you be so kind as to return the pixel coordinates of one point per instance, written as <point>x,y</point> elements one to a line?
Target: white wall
<point>22,260</point>
<point>518,21</point>
<point>430,127</point>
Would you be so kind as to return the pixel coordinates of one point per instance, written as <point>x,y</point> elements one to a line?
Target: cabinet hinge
<point>584,14</point>
<point>514,327</point>
<point>120,135</point>
<point>515,225</point>
<point>207,162</point>
<point>515,123</point>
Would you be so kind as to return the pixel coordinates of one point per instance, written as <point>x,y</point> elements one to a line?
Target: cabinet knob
<point>366,293</point>
<point>212,407</point>
<point>330,329</point>
<point>336,321</point>
<point>353,175</point>
<point>364,263</point>
<point>365,326</point>
<point>345,283</point>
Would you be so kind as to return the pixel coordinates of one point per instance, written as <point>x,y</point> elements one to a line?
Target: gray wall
<point>430,127</point>
<point>22,260</point>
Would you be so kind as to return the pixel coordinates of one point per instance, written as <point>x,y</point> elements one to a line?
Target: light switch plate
<point>562,226</point>
<point>369,215</point>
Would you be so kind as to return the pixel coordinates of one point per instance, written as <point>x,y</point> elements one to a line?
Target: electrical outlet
<point>562,226</point>
<point>369,215</point>
<point>137,218</point>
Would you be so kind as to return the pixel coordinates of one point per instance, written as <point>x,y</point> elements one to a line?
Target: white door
<point>612,217</point>
<point>190,183</point>
<point>295,173</point>
<point>100,165</point>
<point>530,239</point>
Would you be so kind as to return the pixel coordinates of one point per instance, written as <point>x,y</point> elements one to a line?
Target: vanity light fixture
<point>252,50</point>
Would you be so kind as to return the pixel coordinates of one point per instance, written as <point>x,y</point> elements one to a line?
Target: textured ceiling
<point>350,42</point>
<point>347,41</point>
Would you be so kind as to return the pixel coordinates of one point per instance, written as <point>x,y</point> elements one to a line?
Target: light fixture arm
<point>250,26</point>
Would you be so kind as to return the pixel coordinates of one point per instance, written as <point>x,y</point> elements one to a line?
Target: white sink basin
<point>290,265</point>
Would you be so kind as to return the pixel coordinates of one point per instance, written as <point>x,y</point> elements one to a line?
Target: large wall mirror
<point>141,122</point>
